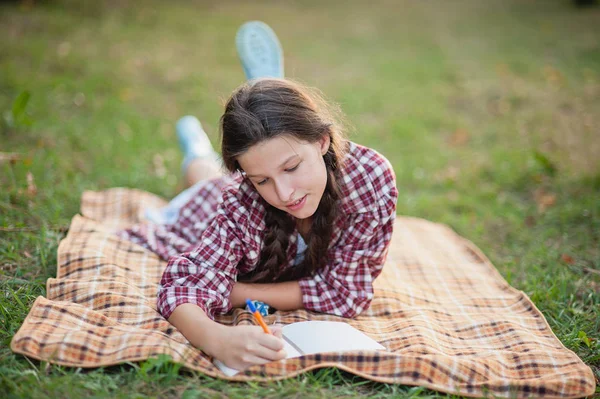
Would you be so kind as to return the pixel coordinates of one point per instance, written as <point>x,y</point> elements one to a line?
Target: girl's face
<point>290,174</point>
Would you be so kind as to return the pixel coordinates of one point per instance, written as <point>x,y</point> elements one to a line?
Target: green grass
<point>489,112</point>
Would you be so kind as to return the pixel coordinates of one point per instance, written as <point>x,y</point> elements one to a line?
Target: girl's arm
<point>197,327</point>
<point>281,296</point>
<point>238,347</point>
<point>205,275</point>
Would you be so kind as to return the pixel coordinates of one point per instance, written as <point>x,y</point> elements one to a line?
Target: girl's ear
<point>324,143</point>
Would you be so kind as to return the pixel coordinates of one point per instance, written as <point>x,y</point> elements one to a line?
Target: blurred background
<point>442,89</point>
<point>488,110</point>
<point>477,104</point>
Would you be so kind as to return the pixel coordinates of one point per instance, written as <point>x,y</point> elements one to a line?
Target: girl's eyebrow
<point>280,165</point>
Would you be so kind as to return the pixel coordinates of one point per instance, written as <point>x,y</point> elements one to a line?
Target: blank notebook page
<point>327,336</point>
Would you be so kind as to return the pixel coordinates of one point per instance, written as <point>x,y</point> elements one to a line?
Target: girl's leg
<point>200,160</point>
<point>261,55</point>
<point>197,169</point>
<point>202,169</point>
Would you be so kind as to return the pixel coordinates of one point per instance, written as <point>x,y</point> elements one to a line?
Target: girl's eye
<point>260,183</point>
<point>292,169</point>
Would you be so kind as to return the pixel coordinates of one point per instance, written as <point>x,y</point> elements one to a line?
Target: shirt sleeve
<point>205,275</point>
<point>344,287</point>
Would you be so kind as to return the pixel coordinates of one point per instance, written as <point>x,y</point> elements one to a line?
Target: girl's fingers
<point>251,360</point>
<point>271,342</point>
<point>268,354</point>
<point>277,330</point>
<point>269,347</point>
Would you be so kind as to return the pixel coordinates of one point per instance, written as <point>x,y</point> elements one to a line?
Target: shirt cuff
<point>169,299</point>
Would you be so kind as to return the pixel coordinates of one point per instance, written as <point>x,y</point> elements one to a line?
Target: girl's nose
<point>284,191</point>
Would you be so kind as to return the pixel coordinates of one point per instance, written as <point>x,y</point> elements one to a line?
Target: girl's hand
<point>243,346</point>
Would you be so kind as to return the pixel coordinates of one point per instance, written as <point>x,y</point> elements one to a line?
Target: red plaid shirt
<point>220,231</point>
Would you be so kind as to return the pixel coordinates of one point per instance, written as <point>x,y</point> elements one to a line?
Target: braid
<point>321,229</point>
<point>279,227</point>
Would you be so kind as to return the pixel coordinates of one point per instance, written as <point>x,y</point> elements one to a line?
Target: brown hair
<point>266,108</point>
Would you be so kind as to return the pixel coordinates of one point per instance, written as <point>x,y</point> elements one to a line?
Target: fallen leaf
<point>590,270</point>
<point>79,99</point>
<point>27,254</point>
<point>544,200</point>
<point>459,137</point>
<point>9,156</point>
<point>567,259</point>
<point>8,267</point>
<point>31,187</point>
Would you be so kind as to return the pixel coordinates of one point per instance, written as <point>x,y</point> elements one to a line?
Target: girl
<point>303,219</point>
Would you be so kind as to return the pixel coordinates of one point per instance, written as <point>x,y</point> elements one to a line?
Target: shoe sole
<point>259,50</point>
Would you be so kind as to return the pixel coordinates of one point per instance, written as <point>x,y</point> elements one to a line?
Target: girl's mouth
<point>298,204</point>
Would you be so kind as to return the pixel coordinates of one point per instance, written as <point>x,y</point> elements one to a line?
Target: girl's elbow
<point>357,306</point>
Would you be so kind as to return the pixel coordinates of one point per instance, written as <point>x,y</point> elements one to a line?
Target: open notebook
<point>310,337</point>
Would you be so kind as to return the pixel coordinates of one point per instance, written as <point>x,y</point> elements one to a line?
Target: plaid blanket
<point>449,320</point>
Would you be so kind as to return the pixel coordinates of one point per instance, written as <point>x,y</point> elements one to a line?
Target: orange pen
<point>257,316</point>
